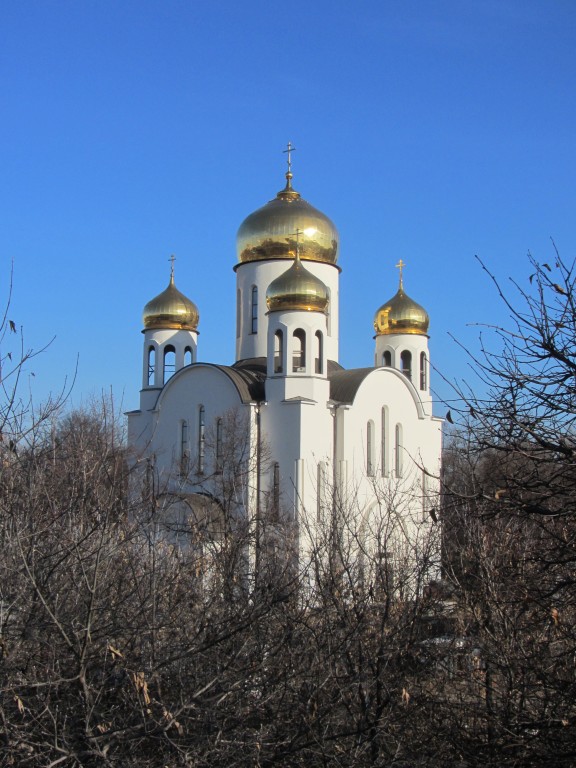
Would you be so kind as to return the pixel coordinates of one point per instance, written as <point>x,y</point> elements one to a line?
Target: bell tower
<point>401,327</point>
<point>297,303</point>
<point>170,338</point>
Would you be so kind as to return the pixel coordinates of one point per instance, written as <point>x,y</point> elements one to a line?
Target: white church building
<point>285,435</point>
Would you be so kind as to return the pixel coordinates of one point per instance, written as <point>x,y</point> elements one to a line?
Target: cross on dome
<point>298,233</point>
<point>400,266</point>
<point>288,152</point>
<point>289,149</point>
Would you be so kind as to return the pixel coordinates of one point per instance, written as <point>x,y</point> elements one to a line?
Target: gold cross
<point>289,151</point>
<point>172,259</point>
<point>401,266</point>
<point>298,233</point>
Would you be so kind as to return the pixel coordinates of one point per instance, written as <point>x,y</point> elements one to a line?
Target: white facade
<point>285,431</point>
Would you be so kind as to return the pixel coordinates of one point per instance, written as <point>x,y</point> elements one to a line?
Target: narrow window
<point>238,312</point>
<point>219,448</point>
<point>299,351</point>
<point>254,311</point>
<point>398,451</point>
<point>201,437</point>
<point>278,351</point>
<point>423,371</point>
<point>184,450</point>
<point>370,448</point>
<point>151,366</point>
<point>406,363</point>
<point>384,572</point>
<point>319,352</point>
<point>275,490</point>
<point>321,490</point>
<point>188,356</point>
<point>387,359</point>
<point>384,446</point>
<point>169,362</point>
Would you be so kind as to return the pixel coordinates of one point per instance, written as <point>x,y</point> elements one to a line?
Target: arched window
<point>387,359</point>
<point>151,365</point>
<point>319,352</point>
<point>406,363</point>
<point>184,449</point>
<point>299,351</point>
<point>423,371</point>
<point>370,448</point>
<point>219,446</point>
<point>254,310</point>
<point>201,437</point>
<point>384,445</point>
<point>169,362</point>
<point>398,451</point>
<point>278,351</point>
<point>188,356</point>
<point>238,312</point>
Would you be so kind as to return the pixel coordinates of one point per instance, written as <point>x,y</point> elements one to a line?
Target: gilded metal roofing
<point>171,309</point>
<point>270,232</point>
<point>298,289</point>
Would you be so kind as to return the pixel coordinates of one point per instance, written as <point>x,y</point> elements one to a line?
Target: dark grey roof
<point>333,366</point>
<point>249,375</point>
<point>249,382</point>
<point>252,364</point>
<point>344,384</point>
<point>259,364</point>
<point>249,378</point>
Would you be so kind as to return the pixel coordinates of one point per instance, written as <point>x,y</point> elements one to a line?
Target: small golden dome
<point>270,232</point>
<point>297,288</point>
<point>171,309</point>
<point>401,315</point>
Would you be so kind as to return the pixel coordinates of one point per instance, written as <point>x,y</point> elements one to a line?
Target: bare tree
<point>511,531</point>
<point>125,649</point>
<point>527,410</point>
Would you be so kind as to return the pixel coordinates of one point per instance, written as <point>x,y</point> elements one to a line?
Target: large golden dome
<point>297,288</point>
<point>270,232</point>
<point>401,315</point>
<point>171,309</point>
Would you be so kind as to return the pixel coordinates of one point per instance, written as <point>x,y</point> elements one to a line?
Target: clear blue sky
<point>427,130</point>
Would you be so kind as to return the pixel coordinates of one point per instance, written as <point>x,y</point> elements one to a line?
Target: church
<point>285,440</point>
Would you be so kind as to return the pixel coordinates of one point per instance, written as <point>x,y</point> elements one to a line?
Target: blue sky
<point>427,130</point>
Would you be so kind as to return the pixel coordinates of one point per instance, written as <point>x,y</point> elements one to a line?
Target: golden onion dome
<point>401,315</point>
<point>171,309</point>
<point>297,288</point>
<point>270,232</point>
